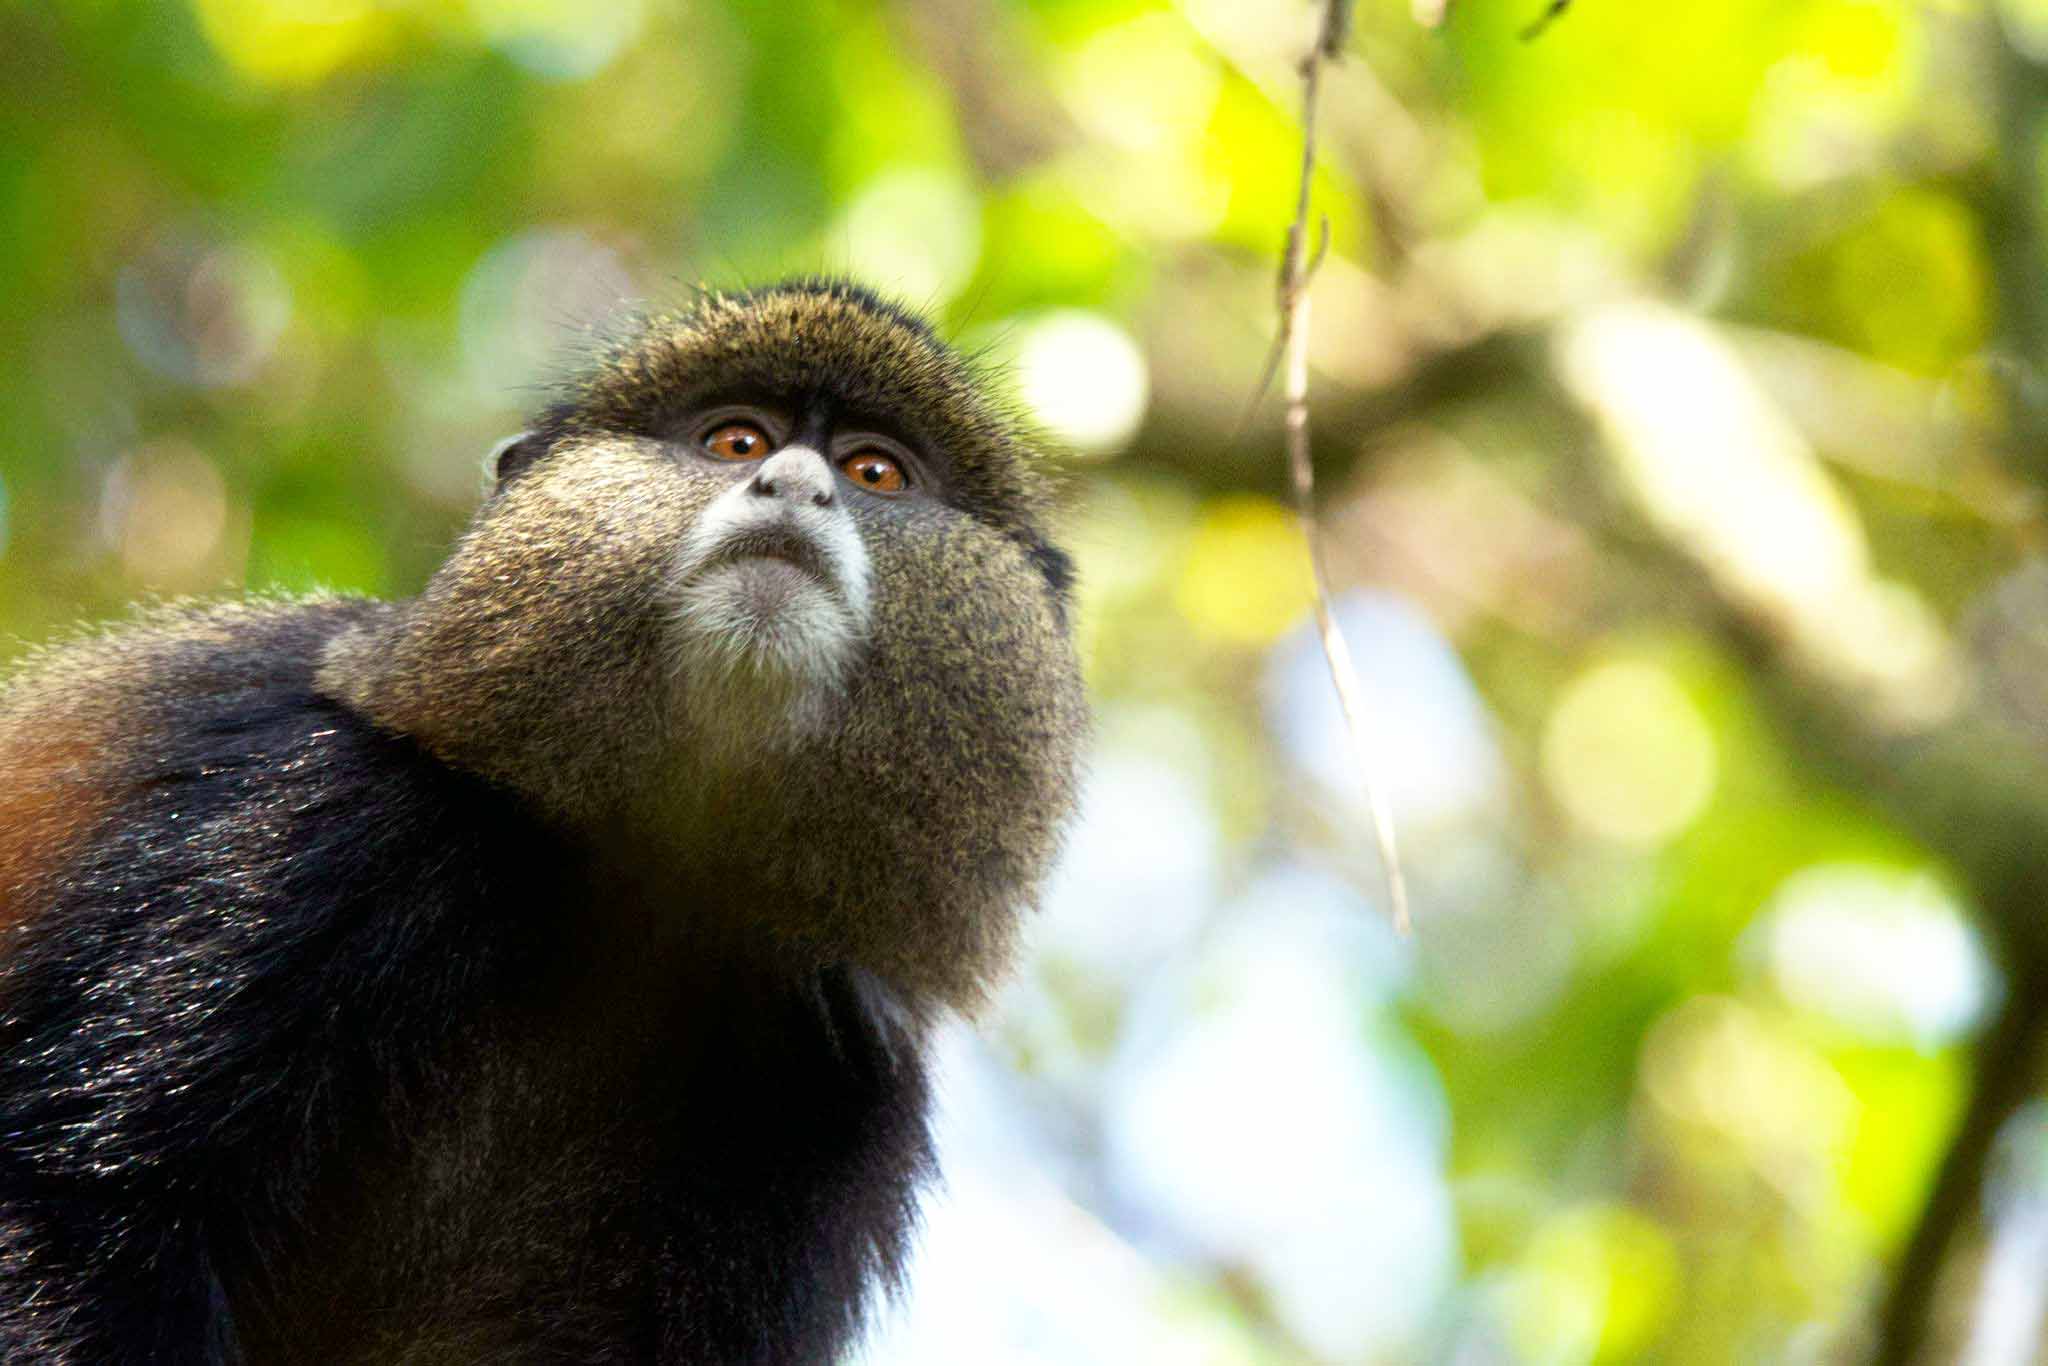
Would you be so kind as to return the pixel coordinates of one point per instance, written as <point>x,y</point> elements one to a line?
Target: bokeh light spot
<point>1716,463</point>
<point>1858,40</point>
<point>1084,378</point>
<point>562,39</point>
<point>290,42</point>
<point>1598,1284</point>
<point>1883,951</point>
<point>915,232</point>
<point>524,300</point>
<point>1142,85</point>
<point>1426,724</point>
<point>1628,755</point>
<point>1720,1071</point>
<point>1138,868</point>
<point>165,512</point>
<point>201,312</point>
<point>2025,25</point>
<point>1273,1133</point>
<point>1246,578</point>
<point>1912,277</point>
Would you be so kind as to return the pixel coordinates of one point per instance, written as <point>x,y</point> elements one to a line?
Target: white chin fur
<point>762,645</point>
<point>766,617</point>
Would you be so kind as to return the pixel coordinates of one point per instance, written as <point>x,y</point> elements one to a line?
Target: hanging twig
<point>1432,13</point>
<point>1551,12</point>
<point>1295,270</point>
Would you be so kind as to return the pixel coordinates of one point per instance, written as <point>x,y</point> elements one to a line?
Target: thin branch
<point>1275,354</point>
<point>1551,14</point>
<point>2002,1079</point>
<point>1335,30</point>
<point>1295,271</point>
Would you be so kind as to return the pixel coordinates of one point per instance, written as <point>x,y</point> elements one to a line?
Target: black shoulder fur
<point>306,1054</point>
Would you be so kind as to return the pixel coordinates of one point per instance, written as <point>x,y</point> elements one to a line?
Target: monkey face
<point>772,584</point>
<point>776,565</point>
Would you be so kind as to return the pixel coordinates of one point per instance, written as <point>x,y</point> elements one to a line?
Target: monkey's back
<point>315,1048</point>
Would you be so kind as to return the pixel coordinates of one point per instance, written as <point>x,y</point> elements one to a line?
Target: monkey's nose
<point>797,473</point>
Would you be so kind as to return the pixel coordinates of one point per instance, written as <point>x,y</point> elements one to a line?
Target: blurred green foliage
<point>1671,368</point>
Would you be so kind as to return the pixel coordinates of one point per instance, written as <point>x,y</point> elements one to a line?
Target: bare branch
<point>1551,13</point>
<point>1295,271</point>
<point>1336,28</point>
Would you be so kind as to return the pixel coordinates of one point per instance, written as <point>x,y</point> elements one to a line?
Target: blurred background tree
<point>1681,424</point>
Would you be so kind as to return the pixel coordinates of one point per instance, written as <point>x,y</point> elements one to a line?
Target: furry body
<point>441,981</point>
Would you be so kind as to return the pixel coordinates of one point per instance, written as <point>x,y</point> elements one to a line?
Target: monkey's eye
<point>876,471</point>
<point>736,441</point>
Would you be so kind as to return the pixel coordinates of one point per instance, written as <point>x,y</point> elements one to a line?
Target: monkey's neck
<point>837,848</point>
<point>580,723</point>
<point>658,766</point>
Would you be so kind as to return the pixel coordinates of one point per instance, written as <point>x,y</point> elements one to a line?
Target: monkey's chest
<point>685,1187</point>
<point>514,1216</point>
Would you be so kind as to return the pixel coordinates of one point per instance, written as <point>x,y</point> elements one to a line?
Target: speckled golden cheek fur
<point>537,655</point>
<point>955,765</point>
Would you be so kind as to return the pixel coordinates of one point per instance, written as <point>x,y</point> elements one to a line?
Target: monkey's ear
<point>514,454</point>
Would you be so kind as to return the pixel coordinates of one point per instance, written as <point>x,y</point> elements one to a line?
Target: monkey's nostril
<point>795,474</point>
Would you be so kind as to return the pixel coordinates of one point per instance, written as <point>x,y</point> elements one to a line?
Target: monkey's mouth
<point>767,594</point>
<point>773,543</point>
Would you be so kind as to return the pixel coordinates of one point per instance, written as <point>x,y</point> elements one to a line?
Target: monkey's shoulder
<point>103,693</point>
<point>205,837</point>
<point>193,748</point>
<point>82,719</point>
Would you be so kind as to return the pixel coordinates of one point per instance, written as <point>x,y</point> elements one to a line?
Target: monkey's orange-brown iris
<point>737,441</point>
<point>876,471</point>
